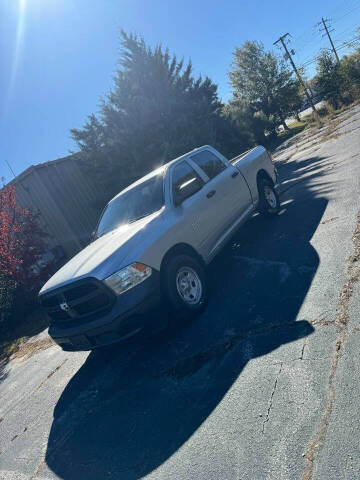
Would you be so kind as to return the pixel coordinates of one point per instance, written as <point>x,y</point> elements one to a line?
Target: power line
<point>346,14</point>
<point>348,44</point>
<point>351,42</point>
<point>305,39</point>
<point>309,62</point>
<point>8,164</point>
<point>343,37</point>
<point>342,6</point>
<point>305,34</point>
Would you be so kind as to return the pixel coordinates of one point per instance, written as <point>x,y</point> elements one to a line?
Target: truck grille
<point>82,300</point>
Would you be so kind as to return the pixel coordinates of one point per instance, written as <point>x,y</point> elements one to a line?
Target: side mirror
<point>186,190</point>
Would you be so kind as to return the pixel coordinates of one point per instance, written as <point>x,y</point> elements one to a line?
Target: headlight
<point>128,277</point>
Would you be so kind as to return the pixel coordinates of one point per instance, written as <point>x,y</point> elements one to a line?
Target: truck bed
<point>237,159</point>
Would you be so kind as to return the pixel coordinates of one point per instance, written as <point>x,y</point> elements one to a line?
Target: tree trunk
<point>283,122</point>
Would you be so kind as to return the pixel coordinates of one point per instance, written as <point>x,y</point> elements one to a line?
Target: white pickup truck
<point>153,242</point>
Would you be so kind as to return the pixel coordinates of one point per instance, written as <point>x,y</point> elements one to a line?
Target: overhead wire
<point>300,43</point>
<point>313,41</point>
<point>337,20</point>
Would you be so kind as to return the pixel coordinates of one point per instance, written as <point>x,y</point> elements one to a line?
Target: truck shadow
<point>130,408</point>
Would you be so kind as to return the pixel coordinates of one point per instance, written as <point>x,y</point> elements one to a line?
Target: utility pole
<point>281,39</point>
<point>323,21</point>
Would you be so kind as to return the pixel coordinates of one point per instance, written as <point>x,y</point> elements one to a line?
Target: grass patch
<point>327,115</point>
<point>296,125</point>
<point>13,336</point>
<point>294,128</point>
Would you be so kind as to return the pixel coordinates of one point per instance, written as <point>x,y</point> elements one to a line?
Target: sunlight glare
<point>22,6</point>
<point>19,32</point>
<point>17,50</point>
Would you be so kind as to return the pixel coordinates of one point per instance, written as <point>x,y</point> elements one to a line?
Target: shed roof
<point>49,163</point>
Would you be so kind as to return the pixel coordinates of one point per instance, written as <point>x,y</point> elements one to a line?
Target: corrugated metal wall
<point>65,200</point>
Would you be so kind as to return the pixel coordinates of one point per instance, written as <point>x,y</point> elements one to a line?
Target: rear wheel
<point>185,285</point>
<point>269,202</point>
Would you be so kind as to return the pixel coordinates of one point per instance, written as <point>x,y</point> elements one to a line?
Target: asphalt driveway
<point>263,385</point>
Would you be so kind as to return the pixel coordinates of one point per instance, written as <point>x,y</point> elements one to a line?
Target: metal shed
<point>65,200</point>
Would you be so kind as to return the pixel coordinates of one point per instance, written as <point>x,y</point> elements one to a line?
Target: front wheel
<point>185,285</point>
<point>269,202</point>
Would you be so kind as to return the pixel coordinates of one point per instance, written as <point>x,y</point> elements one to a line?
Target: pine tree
<point>155,111</point>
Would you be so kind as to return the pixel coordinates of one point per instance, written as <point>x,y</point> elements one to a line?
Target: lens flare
<point>17,50</point>
<point>19,36</point>
<point>22,5</point>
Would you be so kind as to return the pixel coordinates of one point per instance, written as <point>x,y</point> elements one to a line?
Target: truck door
<point>230,193</point>
<point>192,222</point>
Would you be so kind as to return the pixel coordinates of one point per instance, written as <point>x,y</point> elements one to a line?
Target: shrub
<point>22,242</point>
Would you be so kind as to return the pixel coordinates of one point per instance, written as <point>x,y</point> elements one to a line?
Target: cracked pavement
<point>263,385</point>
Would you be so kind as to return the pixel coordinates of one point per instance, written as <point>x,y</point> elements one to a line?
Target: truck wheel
<point>185,286</point>
<point>269,202</point>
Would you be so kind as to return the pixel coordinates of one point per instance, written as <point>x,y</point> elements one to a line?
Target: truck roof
<point>158,171</point>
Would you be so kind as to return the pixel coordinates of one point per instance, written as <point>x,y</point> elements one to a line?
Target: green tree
<point>350,71</point>
<point>247,122</point>
<point>155,111</point>
<point>263,80</point>
<point>328,80</point>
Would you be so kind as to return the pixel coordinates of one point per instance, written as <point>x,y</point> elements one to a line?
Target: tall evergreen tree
<point>155,111</point>
<point>248,122</point>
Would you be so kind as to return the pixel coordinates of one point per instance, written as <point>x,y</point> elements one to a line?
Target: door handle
<point>235,174</point>
<point>211,193</point>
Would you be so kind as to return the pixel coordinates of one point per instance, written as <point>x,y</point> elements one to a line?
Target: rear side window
<point>209,163</point>
<point>185,177</point>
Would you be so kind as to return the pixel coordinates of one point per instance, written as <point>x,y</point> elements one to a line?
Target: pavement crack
<point>38,469</point>
<point>190,365</point>
<point>342,322</point>
<point>322,321</point>
<point>303,348</point>
<point>17,435</point>
<point>329,220</point>
<point>51,374</point>
<point>271,399</point>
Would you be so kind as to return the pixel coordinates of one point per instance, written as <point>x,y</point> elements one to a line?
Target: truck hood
<point>102,257</point>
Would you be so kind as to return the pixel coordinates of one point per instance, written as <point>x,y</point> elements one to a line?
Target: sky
<point>58,57</point>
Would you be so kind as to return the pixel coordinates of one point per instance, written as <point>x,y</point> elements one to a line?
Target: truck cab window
<point>185,182</point>
<point>209,163</point>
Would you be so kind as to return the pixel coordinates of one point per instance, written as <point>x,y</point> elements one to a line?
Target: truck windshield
<point>141,201</point>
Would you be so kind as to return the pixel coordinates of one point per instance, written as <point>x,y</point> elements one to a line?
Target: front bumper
<point>131,313</point>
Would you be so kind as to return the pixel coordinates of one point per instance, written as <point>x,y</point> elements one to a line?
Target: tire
<point>185,286</point>
<point>269,202</point>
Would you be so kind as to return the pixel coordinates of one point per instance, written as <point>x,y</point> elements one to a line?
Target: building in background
<point>65,201</point>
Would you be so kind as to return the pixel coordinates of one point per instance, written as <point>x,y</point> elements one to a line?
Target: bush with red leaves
<point>22,242</point>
